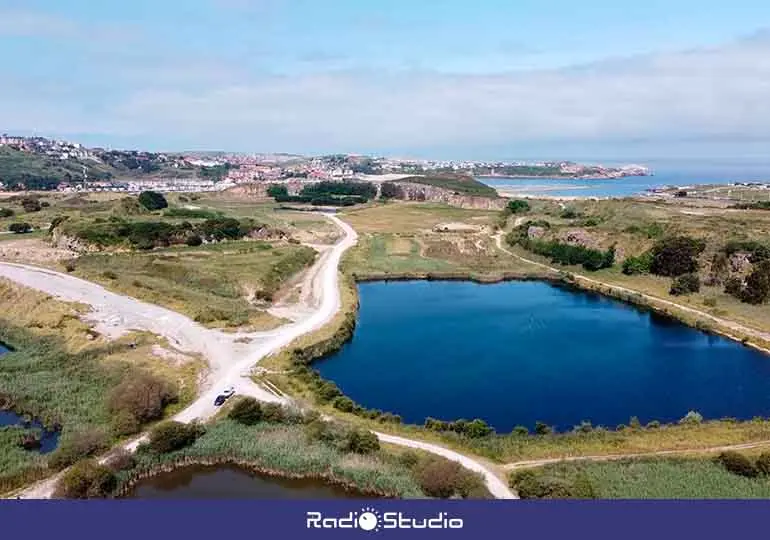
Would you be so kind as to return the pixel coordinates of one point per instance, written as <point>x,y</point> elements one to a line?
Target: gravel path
<point>230,361</point>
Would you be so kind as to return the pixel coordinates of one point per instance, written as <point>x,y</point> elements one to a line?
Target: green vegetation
<point>327,193</point>
<point>757,205</point>
<point>215,284</point>
<point>86,480</point>
<point>730,475</point>
<point>191,213</point>
<point>676,255</point>
<point>568,254</point>
<point>27,171</point>
<point>640,264</point>
<point>685,284</point>
<point>139,400</point>
<point>20,228</point>
<point>171,436</point>
<point>517,206</point>
<point>458,183</point>
<point>473,429</point>
<point>152,200</point>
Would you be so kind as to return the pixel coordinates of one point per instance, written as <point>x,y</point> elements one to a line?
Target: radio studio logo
<point>369,519</point>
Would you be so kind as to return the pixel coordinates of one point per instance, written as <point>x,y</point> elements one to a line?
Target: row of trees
<point>570,254</point>
<point>327,193</point>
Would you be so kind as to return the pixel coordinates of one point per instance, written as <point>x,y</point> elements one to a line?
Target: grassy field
<point>61,373</point>
<point>215,284</point>
<point>400,238</point>
<point>658,479</point>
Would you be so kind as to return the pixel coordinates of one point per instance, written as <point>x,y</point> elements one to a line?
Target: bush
<point>570,213</point>
<point>737,464</point>
<point>536,485</point>
<point>685,284</point>
<point>6,212</point>
<point>568,254</point>
<point>194,240</point>
<point>518,206</point>
<point>734,287</point>
<point>274,413</point>
<point>361,441</point>
<point>640,264</point>
<point>343,403</point>
<point>757,290</point>
<point>692,418</point>
<point>122,460</point>
<point>31,205</point>
<point>152,200</point>
<point>542,429</point>
<point>676,255</point>
<point>246,411</point>
<point>438,477</point>
<point>20,228</point>
<point>143,397</point>
<point>77,446</point>
<point>86,480</point>
<point>763,464</point>
<point>170,436</point>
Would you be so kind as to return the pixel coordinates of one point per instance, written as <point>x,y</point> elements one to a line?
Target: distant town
<point>39,163</point>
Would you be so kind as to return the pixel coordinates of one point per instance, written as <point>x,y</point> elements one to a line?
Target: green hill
<point>459,183</point>
<point>26,170</point>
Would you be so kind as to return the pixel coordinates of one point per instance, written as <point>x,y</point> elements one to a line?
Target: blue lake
<point>519,352</point>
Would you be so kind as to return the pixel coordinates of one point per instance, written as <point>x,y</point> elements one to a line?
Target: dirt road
<point>230,360</point>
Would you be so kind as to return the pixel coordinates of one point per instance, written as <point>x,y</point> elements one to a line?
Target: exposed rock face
<point>71,243</point>
<point>256,189</point>
<point>577,237</point>
<point>421,192</point>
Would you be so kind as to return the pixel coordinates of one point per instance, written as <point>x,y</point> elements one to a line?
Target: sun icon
<point>369,519</point>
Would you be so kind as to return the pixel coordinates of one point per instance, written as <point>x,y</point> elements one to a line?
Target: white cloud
<point>708,93</point>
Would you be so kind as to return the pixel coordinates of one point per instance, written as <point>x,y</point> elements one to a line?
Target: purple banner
<point>477,520</point>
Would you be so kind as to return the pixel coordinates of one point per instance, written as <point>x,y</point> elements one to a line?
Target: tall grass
<point>661,479</point>
<point>284,450</point>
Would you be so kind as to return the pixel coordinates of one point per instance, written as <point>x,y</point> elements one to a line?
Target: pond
<point>232,482</point>
<point>519,352</point>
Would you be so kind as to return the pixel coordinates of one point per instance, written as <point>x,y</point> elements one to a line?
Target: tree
<point>542,428</point>
<point>6,212</point>
<point>86,480</point>
<point>477,428</point>
<point>676,255</point>
<point>152,200</point>
<point>77,446</point>
<point>389,190</point>
<point>20,228</point>
<point>277,191</point>
<point>757,289</point>
<point>720,269</point>
<point>685,284</point>
<point>343,403</point>
<point>170,436</point>
<point>246,411</point>
<point>194,240</point>
<point>518,206</point>
<point>438,477</point>
<point>141,397</point>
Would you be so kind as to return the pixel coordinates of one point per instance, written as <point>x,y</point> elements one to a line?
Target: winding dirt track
<point>230,361</point>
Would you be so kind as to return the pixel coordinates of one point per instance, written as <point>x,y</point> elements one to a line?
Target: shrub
<point>570,213</point>
<point>143,396</point>
<point>109,274</point>
<point>734,286</point>
<point>518,206</point>
<point>676,255</point>
<point>77,446</point>
<point>692,417</point>
<point>542,428</point>
<point>763,464</point>
<point>409,459</point>
<point>361,441</point>
<point>121,460</point>
<point>584,427</point>
<point>685,284</point>
<point>170,436</point>
<point>152,200</point>
<point>569,254</point>
<point>6,212</point>
<point>520,430</point>
<point>655,424</point>
<point>31,205</point>
<point>737,464</point>
<point>194,240</point>
<point>640,264</point>
<point>86,480</point>
<point>757,289</point>
<point>535,485</point>
<point>343,403</point>
<point>438,477</point>
<point>634,423</point>
<point>246,411</point>
<point>20,228</point>
<point>274,413</point>
<point>389,190</point>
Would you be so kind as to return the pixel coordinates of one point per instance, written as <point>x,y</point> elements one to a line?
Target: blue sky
<point>451,78</point>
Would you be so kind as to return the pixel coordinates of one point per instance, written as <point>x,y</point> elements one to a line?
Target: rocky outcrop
<point>420,192</point>
<point>61,240</point>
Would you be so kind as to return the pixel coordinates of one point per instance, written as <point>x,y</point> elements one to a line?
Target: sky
<point>482,79</point>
